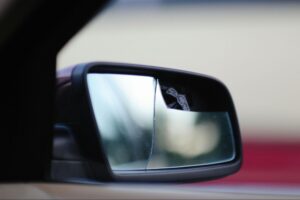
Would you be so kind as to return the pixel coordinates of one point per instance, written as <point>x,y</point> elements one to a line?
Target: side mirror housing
<point>138,123</point>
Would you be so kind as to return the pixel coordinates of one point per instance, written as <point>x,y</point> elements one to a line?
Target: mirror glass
<point>147,123</point>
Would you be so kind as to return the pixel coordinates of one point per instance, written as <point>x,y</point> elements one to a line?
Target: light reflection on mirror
<point>123,109</point>
<point>147,124</point>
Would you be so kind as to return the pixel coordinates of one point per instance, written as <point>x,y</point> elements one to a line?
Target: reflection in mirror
<point>123,108</point>
<point>184,137</point>
<point>147,123</point>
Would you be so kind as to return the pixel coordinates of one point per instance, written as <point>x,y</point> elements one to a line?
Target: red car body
<point>267,163</point>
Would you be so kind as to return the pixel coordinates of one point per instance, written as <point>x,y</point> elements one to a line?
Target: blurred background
<point>251,46</point>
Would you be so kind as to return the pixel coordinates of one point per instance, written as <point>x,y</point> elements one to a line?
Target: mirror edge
<point>98,161</point>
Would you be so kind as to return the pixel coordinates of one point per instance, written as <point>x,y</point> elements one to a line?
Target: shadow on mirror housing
<point>149,124</point>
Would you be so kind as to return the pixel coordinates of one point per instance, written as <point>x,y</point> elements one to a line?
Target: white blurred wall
<point>253,48</point>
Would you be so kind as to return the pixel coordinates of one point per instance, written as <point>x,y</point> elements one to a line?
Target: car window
<point>254,48</point>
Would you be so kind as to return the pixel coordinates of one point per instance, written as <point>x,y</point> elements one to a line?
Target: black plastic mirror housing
<point>215,97</point>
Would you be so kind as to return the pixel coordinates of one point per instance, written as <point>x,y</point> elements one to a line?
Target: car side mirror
<point>150,124</point>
